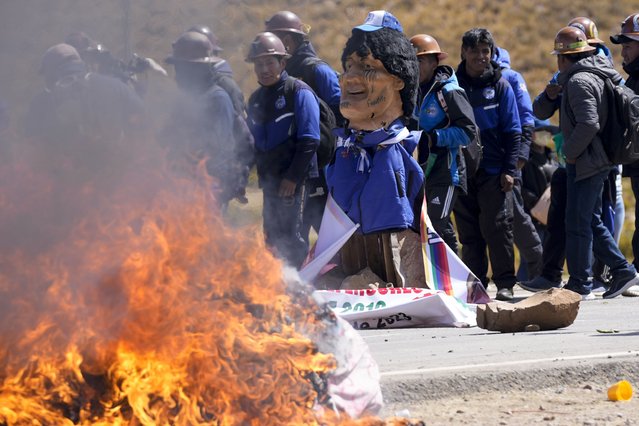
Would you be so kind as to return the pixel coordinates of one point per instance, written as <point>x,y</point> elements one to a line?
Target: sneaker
<point>505,294</point>
<point>540,283</point>
<point>632,291</point>
<point>619,284</point>
<point>588,296</point>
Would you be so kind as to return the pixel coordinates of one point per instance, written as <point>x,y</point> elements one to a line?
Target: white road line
<point>509,363</point>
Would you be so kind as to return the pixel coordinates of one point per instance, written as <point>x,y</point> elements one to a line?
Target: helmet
<point>571,40</point>
<point>426,45</point>
<point>266,44</point>
<point>203,29</point>
<point>288,22</point>
<point>588,27</point>
<point>57,56</point>
<point>629,30</point>
<point>192,47</point>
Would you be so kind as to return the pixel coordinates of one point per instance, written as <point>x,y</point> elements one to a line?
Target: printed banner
<point>444,270</point>
<point>397,308</point>
<point>335,230</point>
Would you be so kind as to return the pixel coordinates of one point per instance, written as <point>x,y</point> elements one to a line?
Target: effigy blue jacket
<point>374,178</point>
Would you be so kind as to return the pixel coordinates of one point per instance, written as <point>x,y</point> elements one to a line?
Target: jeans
<point>586,233</point>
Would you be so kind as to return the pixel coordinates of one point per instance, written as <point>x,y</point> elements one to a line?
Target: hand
<point>520,164</point>
<point>287,188</point>
<point>552,91</point>
<point>507,182</point>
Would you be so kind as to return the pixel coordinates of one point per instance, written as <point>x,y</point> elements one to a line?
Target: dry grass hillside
<point>525,28</point>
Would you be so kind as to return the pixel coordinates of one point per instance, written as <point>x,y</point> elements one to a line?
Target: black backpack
<point>620,134</point>
<point>327,123</point>
<point>472,152</point>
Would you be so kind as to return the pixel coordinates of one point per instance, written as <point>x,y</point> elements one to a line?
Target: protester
<point>484,216</point>
<point>448,123</point>
<point>99,59</point>
<point>200,127</point>
<point>628,37</point>
<point>525,233</point>
<point>307,66</point>
<point>284,159</point>
<point>589,28</point>
<point>373,177</point>
<point>222,66</point>
<point>583,108</point>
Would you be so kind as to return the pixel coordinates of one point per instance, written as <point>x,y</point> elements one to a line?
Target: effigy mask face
<point>370,96</point>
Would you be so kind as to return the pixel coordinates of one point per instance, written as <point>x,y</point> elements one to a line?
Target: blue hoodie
<point>522,98</point>
<point>374,178</point>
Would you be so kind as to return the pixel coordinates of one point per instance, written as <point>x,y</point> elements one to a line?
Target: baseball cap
<point>379,19</point>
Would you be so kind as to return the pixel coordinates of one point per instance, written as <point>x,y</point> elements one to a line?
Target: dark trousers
<point>282,219</point>
<point>554,254</point>
<point>586,232</point>
<point>634,182</point>
<point>484,219</point>
<point>315,203</point>
<point>440,201</point>
<point>525,235</point>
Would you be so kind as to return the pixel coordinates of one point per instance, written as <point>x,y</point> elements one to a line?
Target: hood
<point>303,51</point>
<point>502,57</point>
<point>443,74</point>
<point>596,63</point>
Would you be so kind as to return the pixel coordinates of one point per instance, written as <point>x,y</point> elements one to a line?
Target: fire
<point>125,299</point>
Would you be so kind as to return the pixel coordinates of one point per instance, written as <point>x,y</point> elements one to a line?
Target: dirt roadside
<point>574,395</point>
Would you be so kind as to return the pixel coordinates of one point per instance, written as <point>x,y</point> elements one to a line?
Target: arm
<point>462,128</point>
<point>526,118</point>
<point>327,85</point>
<point>308,134</point>
<point>584,104</point>
<point>509,128</point>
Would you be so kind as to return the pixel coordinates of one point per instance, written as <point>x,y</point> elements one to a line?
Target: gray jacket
<point>584,109</point>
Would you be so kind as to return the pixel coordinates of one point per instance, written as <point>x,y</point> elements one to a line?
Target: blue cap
<point>379,19</point>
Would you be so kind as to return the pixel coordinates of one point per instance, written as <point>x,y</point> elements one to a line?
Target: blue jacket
<point>496,114</point>
<point>286,136</point>
<point>447,130</point>
<point>377,182</point>
<point>522,97</point>
<point>305,64</point>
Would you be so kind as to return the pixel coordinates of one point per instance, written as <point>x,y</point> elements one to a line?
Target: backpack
<point>472,152</point>
<point>327,123</point>
<point>620,135</point>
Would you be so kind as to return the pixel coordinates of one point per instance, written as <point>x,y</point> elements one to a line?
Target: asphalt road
<point>445,358</point>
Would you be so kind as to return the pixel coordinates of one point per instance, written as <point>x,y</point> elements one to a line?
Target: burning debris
<point>129,301</point>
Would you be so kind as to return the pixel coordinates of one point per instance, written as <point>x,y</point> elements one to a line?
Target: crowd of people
<point>394,126</point>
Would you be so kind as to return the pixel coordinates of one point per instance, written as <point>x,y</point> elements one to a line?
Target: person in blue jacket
<point>373,176</point>
<point>444,114</point>
<point>306,65</point>
<point>484,216</point>
<point>286,140</point>
<point>525,233</point>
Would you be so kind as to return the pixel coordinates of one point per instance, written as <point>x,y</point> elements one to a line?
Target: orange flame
<point>129,301</point>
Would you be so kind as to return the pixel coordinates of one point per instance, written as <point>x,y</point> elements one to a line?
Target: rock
<point>550,310</point>
<point>361,280</point>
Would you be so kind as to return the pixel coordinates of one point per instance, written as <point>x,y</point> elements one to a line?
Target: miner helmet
<point>206,30</point>
<point>427,45</point>
<point>588,27</point>
<point>570,40</point>
<point>266,44</point>
<point>192,47</point>
<point>629,30</point>
<point>286,21</point>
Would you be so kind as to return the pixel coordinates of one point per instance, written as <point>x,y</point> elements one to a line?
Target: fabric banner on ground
<point>397,308</point>
<point>444,270</point>
<point>335,230</point>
